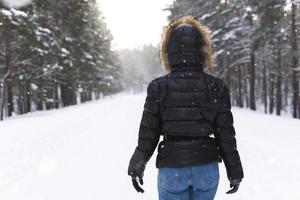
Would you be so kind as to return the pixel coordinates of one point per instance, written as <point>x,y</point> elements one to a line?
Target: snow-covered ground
<point>82,153</point>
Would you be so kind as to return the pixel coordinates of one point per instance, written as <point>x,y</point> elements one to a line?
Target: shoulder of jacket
<point>159,80</point>
<point>215,81</point>
<point>154,84</point>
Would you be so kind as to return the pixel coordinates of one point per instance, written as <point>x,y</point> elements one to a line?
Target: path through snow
<point>82,153</point>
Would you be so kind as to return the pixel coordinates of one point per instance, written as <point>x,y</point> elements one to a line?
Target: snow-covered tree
<point>256,48</point>
<point>47,59</point>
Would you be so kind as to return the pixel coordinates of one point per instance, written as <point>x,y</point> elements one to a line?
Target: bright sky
<point>16,3</point>
<point>135,22</point>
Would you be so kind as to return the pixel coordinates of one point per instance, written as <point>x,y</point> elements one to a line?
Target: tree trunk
<point>239,99</point>
<point>286,94</point>
<point>49,102</point>
<point>271,94</point>
<point>10,104</point>
<point>7,87</point>
<point>265,96</point>
<point>3,100</point>
<point>64,95</point>
<point>83,97</point>
<point>28,97</point>
<point>56,98</point>
<point>73,95</point>
<point>40,96</point>
<point>20,98</point>
<point>245,84</point>
<point>252,80</point>
<point>89,95</point>
<point>278,83</point>
<point>295,82</point>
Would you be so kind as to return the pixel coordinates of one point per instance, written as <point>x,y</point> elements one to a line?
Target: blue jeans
<point>199,182</point>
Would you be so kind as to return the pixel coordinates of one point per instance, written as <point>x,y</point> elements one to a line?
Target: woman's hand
<point>136,171</point>
<point>136,185</point>
<point>234,184</point>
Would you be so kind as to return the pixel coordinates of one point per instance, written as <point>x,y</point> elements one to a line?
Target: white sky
<point>16,3</point>
<point>134,22</point>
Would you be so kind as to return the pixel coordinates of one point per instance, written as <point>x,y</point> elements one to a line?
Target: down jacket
<point>189,108</point>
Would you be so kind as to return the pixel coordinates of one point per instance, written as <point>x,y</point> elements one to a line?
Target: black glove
<point>234,184</point>
<point>136,185</point>
<point>136,171</point>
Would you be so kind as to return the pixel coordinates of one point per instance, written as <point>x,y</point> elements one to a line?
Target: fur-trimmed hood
<point>204,32</point>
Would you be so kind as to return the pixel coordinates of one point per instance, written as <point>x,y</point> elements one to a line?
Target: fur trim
<point>203,30</point>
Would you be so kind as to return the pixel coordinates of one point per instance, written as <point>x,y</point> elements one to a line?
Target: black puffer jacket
<point>192,111</point>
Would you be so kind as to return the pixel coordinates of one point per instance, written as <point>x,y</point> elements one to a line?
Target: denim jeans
<point>199,182</point>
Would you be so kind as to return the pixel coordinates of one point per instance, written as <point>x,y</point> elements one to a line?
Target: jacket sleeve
<point>149,130</point>
<point>225,135</point>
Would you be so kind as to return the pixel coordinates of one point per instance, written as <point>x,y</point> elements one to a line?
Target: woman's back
<point>188,102</point>
<point>190,108</point>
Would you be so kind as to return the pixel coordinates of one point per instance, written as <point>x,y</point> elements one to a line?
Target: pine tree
<point>52,63</point>
<point>250,41</point>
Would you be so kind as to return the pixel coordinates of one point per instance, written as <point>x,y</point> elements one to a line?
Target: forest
<point>256,44</point>
<point>47,59</point>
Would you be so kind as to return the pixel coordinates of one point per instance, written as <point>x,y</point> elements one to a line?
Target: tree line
<point>54,54</point>
<point>139,67</point>
<point>256,44</point>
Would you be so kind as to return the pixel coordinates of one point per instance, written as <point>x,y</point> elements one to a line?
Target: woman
<point>192,111</point>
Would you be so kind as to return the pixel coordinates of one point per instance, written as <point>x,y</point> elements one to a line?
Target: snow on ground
<point>82,153</point>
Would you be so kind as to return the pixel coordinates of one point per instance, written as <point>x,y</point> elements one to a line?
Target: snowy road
<point>82,153</point>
